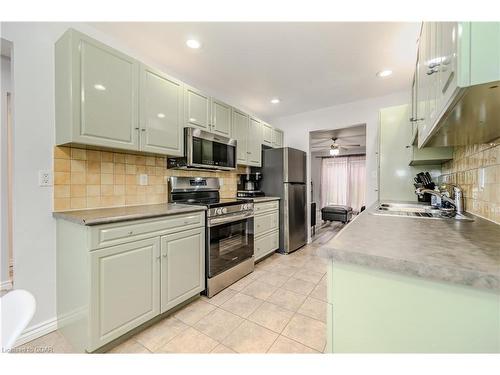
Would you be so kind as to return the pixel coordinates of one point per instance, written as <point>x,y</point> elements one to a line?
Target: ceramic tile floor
<point>279,308</point>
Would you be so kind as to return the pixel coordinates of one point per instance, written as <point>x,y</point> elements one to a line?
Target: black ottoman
<point>336,213</point>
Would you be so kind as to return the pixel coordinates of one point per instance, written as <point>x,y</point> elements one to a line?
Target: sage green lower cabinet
<point>266,228</point>
<point>182,267</point>
<point>124,288</point>
<point>375,311</point>
<point>112,278</point>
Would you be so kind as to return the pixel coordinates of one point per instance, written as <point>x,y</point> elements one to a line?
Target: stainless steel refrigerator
<point>284,176</point>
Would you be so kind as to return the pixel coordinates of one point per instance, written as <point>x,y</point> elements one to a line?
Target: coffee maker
<point>248,185</point>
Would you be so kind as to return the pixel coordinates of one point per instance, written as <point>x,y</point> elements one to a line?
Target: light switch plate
<point>143,179</point>
<point>45,178</point>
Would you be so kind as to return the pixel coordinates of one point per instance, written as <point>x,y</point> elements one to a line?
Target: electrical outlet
<point>45,178</point>
<point>143,179</point>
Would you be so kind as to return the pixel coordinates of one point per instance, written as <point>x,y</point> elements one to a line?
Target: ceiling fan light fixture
<point>334,151</point>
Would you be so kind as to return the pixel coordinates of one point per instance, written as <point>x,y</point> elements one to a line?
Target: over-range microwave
<point>204,150</point>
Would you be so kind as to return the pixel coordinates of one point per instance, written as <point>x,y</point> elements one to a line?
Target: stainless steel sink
<point>417,211</point>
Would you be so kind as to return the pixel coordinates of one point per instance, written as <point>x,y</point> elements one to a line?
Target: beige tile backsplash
<point>476,169</point>
<point>85,178</point>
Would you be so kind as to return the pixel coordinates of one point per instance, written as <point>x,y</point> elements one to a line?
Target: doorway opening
<point>338,177</point>
<point>7,259</point>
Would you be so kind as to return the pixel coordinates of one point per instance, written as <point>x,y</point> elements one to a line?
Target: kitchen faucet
<point>457,202</point>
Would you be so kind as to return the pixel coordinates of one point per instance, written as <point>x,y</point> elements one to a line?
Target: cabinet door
<point>197,109</point>
<point>448,66</point>
<point>161,113</point>
<point>105,84</point>
<point>277,138</point>
<point>254,143</point>
<point>125,291</point>
<point>221,118</point>
<point>182,267</point>
<point>423,86</point>
<point>267,134</point>
<point>433,66</point>
<point>240,133</point>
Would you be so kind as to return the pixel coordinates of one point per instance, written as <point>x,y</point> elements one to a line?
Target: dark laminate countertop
<point>116,214</point>
<point>460,252</point>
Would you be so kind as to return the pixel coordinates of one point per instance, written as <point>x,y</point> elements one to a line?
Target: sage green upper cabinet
<point>254,143</point>
<point>447,74</point>
<point>182,267</point>
<point>221,118</point>
<point>197,109</point>
<point>267,134</point>
<point>161,113</point>
<point>277,138</point>
<point>96,94</point>
<point>240,133</point>
<point>455,59</point>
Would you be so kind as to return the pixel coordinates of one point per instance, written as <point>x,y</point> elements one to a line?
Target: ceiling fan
<point>335,147</point>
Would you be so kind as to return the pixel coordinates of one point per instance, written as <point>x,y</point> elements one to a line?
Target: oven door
<point>228,243</point>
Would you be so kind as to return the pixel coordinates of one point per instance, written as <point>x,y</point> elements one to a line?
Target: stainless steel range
<point>229,230</point>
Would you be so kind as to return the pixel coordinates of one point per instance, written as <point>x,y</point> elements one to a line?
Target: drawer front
<point>116,233</point>
<point>266,206</point>
<point>266,244</point>
<point>266,222</point>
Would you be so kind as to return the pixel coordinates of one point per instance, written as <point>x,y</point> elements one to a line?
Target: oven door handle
<point>213,222</point>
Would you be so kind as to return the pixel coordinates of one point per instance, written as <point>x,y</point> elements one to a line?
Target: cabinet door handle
<point>158,257</point>
<point>143,129</point>
<point>164,255</point>
<point>130,233</point>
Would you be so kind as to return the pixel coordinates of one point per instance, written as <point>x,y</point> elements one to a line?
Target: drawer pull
<point>130,233</point>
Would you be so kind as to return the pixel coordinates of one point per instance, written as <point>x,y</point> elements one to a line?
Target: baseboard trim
<point>36,331</point>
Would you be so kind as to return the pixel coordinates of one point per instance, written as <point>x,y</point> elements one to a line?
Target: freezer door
<point>295,228</point>
<point>294,165</point>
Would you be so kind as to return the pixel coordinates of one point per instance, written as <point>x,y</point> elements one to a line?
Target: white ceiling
<point>321,140</point>
<point>307,65</point>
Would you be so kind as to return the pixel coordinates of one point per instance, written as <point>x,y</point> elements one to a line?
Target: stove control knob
<point>223,210</point>
<point>245,206</point>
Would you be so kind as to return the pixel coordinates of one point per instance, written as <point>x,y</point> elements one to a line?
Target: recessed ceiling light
<point>193,43</point>
<point>275,101</point>
<point>384,73</point>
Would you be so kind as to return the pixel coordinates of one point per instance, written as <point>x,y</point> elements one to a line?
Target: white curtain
<point>343,181</point>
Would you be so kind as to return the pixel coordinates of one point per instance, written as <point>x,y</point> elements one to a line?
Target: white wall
<point>5,84</point>
<point>297,128</point>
